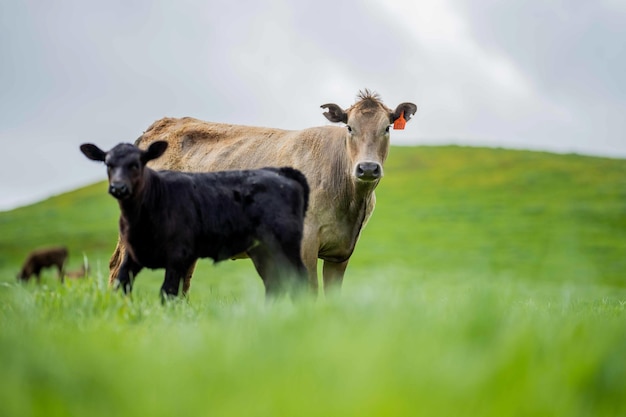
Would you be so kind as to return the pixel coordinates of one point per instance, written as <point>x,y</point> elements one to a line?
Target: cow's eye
<point>349,128</point>
<point>134,166</point>
<point>387,129</point>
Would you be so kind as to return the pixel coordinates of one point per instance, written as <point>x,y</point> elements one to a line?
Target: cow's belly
<point>336,243</point>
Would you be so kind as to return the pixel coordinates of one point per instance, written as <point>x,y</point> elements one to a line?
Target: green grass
<point>488,282</point>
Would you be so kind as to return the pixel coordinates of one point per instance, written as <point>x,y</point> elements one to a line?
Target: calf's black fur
<point>169,219</point>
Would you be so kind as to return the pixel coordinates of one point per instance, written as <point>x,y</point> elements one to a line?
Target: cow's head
<point>125,165</point>
<point>367,132</point>
<point>25,272</point>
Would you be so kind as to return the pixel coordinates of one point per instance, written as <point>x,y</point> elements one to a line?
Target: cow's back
<point>196,145</point>
<point>49,256</point>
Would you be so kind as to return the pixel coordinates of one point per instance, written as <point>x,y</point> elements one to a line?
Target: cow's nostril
<point>368,171</point>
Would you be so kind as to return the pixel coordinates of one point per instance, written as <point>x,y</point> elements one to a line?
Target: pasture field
<point>488,282</point>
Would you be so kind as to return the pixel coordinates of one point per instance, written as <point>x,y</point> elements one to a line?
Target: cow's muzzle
<point>368,171</point>
<point>119,190</point>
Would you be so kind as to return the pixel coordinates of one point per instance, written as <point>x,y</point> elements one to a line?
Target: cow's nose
<point>368,171</point>
<point>118,190</point>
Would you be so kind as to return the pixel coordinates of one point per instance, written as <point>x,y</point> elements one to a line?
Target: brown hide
<point>43,258</point>
<point>331,157</point>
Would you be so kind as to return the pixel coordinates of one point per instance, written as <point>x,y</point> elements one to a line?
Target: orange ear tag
<point>400,122</point>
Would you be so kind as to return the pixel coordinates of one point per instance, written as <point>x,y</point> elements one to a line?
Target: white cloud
<point>486,72</point>
<point>471,92</point>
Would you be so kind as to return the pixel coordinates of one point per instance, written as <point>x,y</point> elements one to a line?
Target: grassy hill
<point>488,282</point>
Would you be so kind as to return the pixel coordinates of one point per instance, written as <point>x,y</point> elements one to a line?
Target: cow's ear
<point>409,110</point>
<point>92,152</point>
<point>155,150</point>
<point>335,113</point>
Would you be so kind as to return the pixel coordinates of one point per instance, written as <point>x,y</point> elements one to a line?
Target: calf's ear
<point>409,110</point>
<point>335,113</point>
<point>92,152</point>
<point>155,150</point>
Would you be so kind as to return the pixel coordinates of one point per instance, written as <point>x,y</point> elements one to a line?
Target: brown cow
<point>343,166</point>
<point>43,258</point>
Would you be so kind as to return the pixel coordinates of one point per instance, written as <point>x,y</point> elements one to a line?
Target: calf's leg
<point>116,261</point>
<point>171,283</point>
<point>127,273</point>
<point>266,268</point>
<point>292,266</point>
<point>280,266</point>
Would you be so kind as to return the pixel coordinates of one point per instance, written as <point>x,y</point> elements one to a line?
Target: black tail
<point>297,176</point>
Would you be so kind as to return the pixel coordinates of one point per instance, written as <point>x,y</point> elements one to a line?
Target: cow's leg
<point>309,251</point>
<point>127,273</point>
<point>61,272</point>
<point>333,275</point>
<point>116,261</point>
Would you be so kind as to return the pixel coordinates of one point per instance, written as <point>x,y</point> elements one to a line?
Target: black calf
<point>170,219</point>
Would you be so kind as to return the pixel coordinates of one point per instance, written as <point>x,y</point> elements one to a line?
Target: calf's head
<point>367,132</point>
<point>125,165</point>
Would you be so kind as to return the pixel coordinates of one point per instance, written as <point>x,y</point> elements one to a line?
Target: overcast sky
<point>547,75</point>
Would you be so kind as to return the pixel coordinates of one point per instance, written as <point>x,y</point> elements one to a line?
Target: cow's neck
<point>340,232</point>
<point>362,201</point>
<point>361,191</point>
<point>132,208</point>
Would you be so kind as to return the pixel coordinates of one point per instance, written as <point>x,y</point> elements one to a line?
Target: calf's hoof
<point>125,286</point>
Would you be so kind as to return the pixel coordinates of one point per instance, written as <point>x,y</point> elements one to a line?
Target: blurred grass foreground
<point>488,282</point>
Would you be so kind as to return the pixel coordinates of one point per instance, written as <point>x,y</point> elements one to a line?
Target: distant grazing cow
<point>43,258</point>
<point>170,219</point>
<point>343,166</point>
